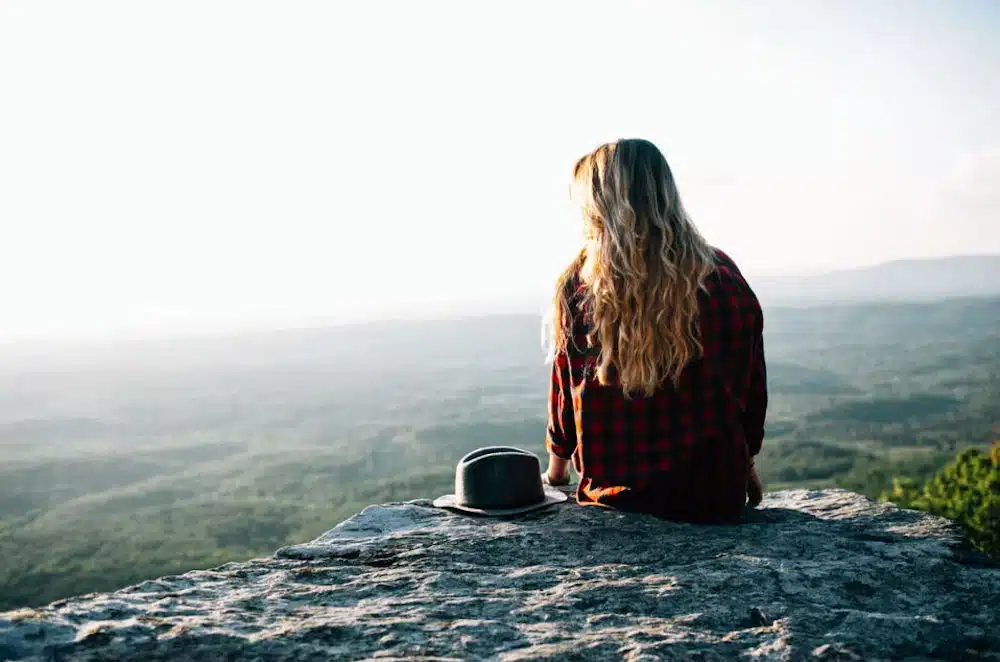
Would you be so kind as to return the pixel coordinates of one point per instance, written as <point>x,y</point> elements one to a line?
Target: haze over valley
<point>134,459</point>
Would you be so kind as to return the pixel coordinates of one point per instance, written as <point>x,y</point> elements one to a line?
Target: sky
<point>210,164</point>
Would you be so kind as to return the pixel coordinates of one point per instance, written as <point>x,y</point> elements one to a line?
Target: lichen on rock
<point>823,574</point>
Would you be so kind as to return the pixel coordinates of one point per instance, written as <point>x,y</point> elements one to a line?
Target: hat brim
<point>552,497</point>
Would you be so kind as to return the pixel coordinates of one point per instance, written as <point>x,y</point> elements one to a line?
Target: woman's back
<point>682,450</point>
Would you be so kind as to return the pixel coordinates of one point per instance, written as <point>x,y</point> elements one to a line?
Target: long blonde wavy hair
<point>638,275</point>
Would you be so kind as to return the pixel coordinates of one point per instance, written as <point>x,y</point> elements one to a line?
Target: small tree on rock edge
<point>967,491</point>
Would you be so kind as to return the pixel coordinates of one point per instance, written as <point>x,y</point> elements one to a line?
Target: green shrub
<point>967,491</point>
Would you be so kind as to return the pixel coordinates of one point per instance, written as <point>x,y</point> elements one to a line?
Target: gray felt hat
<point>499,480</point>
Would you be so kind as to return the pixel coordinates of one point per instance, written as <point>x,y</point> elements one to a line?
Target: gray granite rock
<point>823,575</point>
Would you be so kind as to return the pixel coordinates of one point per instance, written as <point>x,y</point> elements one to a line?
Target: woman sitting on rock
<point>658,390</point>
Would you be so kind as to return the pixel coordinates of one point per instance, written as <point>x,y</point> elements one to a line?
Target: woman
<point>658,390</point>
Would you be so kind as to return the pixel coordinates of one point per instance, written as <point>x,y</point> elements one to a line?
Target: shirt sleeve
<point>756,409</point>
<point>560,437</point>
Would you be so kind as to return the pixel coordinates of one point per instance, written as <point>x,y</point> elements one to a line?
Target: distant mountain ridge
<point>899,280</point>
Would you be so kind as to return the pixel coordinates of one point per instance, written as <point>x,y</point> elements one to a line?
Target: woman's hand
<point>755,488</point>
<point>558,473</point>
<point>557,481</point>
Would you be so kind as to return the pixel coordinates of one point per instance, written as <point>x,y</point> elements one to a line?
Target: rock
<point>813,574</point>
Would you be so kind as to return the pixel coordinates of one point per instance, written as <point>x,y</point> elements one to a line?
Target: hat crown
<point>498,477</point>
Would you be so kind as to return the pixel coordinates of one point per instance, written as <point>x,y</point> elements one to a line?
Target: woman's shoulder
<point>725,263</point>
<point>728,281</point>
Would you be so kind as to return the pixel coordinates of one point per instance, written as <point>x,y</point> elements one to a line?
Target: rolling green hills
<point>129,461</point>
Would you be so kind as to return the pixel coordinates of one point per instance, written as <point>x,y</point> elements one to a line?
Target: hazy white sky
<point>208,162</point>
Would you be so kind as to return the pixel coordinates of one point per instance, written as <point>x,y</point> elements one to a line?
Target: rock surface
<point>812,575</point>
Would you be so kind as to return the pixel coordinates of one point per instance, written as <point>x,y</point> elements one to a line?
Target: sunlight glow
<point>209,162</point>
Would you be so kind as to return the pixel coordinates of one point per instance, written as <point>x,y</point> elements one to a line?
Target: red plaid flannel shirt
<point>684,452</point>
